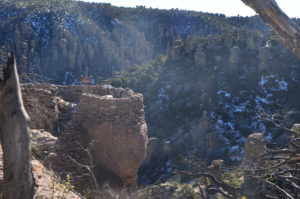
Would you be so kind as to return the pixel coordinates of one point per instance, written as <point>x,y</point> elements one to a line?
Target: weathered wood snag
<point>287,29</point>
<point>18,181</point>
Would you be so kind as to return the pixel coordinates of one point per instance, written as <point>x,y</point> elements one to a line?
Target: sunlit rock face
<point>117,131</point>
<point>109,121</point>
<point>59,40</point>
<point>254,149</point>
<point>253,158</point>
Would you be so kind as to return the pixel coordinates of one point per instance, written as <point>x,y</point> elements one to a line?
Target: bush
<point>234,178</point>
<point>186,192</point>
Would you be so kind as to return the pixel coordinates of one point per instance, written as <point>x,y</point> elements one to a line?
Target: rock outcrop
<point>200,57</point>
<point>48,185</point>
<point>110,122</point>
<point>153,149</point>
<point>235,55</point>
<point>254,149</point>
<point>209,143</point>
<point>41,105</point>
<point>264,55</point>
<point>42,142</point>
<point>118,131</point>
<point>47,182</point>
<point>215,168</point>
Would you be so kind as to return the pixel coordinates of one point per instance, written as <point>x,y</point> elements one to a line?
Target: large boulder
<point>153,149</point>
<point>254,150</point>
<point>253,158</point>
<point>42,142</point>
<point>118,133</point>
<point>294,138</point>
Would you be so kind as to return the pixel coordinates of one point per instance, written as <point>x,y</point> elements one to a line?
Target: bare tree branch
<point>215,190</point>
<point>271,197</point>
<point>89,168</point>
<point>201,190</point>
<point>280,126</point>
<point>270,12</point>
<point>293,184</point>
<point>289,177</point>
<point>280,189</point>
<point>231,190</point>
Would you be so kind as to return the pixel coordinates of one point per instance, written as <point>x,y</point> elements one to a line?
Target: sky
<point>227,7</point>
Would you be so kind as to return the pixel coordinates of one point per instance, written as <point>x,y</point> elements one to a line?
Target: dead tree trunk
<point>270,12</point>
<point>18,181</point>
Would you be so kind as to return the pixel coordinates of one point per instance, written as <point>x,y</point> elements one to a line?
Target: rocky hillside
<point>207,95</point>
<point>206,78</point>
<point>82,142</point>
<point>59,41</point>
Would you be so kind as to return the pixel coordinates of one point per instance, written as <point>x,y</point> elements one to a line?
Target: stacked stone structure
<point>110,121</point>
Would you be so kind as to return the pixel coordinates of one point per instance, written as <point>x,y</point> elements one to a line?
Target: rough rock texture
<point>209,144</point>
<point>295,127</point>
<point>235,55</point>
<point>41,105</point>
<point>118,131</point>
<point>111,120</point>
<point>42,142</point>
<point>48,185</point>
<point>153,150</point>
<point>254,149</point>
<point>215,168</point>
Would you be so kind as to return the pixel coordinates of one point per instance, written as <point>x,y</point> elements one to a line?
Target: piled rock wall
<point>119,133</point>
<point>111,119</point>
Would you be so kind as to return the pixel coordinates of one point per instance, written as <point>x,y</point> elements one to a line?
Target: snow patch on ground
<point>221,92</point>
<point>283,85</point>
<point>239,109</point>
<point>259,100</point>
<point>262,81</point>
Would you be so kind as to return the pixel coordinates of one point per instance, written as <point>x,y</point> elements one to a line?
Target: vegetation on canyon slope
<point>206,78</point>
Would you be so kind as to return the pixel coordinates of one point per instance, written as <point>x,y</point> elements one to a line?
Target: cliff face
<point>203,96</point>
<point>57,41</point>
<point>207,96</point>
<point>108,122</point>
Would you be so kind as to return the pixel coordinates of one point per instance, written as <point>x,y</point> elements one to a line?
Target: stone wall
<point>111,119</point>
<point>41,105</point>
<point>118,131</point>
<point>73,93</point>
